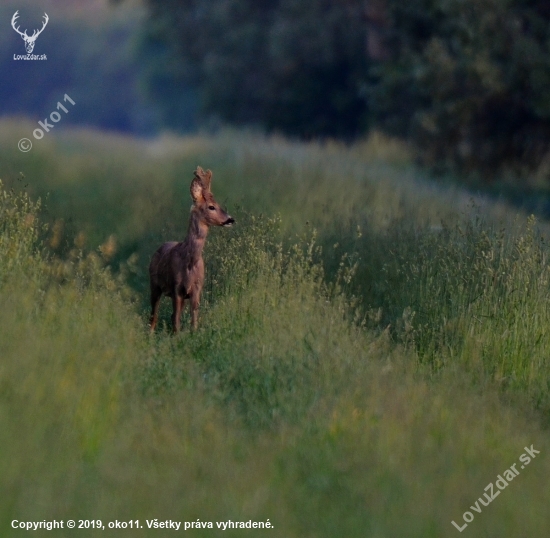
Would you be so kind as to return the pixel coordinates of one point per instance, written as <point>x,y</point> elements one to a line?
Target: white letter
<point>459,528</point>
<point>500,479</point>
<point>509,475</point>
<point>476,508</point>
<point>493,495</point>
<point>488,500</point>
<point>524,458</point>
<point>45,125</point>
<point>531,451</point>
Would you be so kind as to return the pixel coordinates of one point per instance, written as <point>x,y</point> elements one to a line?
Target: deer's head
<point>204,204</point>
<point>29,40</point>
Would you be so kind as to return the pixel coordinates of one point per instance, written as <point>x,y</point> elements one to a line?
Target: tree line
<point>465,81</point>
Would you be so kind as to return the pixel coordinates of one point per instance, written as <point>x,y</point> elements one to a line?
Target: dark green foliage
<point>465,80</point>
<point>290,66</point>
<point>468,82</point>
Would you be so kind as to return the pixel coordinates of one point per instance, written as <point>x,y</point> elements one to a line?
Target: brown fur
<point>177,269</point>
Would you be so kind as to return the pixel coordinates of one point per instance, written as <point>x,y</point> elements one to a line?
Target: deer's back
<point>160,268</point>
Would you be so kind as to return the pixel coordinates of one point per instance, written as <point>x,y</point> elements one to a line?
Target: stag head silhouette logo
<point>29,40</point>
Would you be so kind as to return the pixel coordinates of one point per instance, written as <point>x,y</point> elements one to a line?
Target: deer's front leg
<point>177,305</point>
<point>195,300</point>
<point>195,294</point>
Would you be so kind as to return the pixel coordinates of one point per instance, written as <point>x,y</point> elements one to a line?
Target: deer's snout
<point>229,222</point>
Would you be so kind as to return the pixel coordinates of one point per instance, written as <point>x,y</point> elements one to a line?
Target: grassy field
<point>372,350</point>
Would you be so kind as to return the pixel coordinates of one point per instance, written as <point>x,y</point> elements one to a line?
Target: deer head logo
<point>29,40</point>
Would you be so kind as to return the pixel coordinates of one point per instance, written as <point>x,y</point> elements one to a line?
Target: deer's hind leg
<point>156,295</point>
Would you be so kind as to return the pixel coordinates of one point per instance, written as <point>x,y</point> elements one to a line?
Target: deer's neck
<point>196,237</point>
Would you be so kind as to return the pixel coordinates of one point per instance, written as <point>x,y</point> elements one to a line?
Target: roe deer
<point>177,269</point>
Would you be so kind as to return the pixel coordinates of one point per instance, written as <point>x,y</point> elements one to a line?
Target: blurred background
<point>465,82</point>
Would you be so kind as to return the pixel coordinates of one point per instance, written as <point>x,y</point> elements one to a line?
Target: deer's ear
<point>206,180</point>
<point>196,190</point>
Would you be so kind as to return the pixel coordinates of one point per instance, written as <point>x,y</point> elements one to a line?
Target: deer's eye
<point>212,208</point>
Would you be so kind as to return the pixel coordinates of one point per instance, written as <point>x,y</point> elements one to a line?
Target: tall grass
<point>479,296</point>
<point>358,332</point>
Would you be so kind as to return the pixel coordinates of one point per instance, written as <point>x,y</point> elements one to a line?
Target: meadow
<point>372,349</point>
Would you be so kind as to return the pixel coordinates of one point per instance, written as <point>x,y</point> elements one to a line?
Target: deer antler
<point>36,33</point>
<point>13,20</point>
